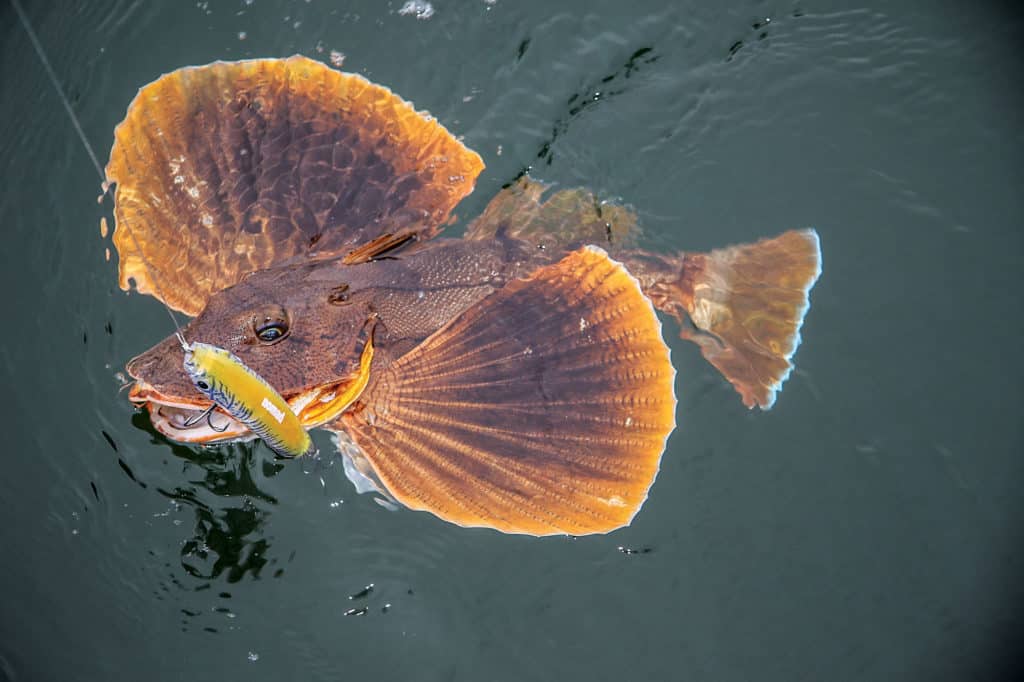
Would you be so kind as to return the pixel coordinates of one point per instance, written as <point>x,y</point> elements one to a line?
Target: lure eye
<point>203,385</point>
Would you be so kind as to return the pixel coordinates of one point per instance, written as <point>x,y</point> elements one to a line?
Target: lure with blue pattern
<point>247,397</point>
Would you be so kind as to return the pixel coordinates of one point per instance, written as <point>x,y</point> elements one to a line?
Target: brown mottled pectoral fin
<point>543,409</point>
<point>527,210</point>
<point>747,303</point>
<point>236,166</point>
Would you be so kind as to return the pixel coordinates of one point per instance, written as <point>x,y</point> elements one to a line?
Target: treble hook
<point>208,413</point>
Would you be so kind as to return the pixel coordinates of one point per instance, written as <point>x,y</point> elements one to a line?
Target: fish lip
<point>142,392</point>
<point>168,416</point>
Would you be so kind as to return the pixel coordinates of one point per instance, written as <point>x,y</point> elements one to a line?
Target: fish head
<point>305,329</point>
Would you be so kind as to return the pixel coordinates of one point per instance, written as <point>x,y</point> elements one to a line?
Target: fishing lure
<point>247,397</point>
<point>216,373</point>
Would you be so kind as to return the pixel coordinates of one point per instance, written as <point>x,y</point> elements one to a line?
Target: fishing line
<point>95,160</point>
<point>239,396</point>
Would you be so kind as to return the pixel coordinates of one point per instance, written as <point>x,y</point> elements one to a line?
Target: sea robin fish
<point>515,378</point>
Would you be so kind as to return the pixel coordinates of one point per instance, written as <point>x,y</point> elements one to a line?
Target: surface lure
<point>247,397</point>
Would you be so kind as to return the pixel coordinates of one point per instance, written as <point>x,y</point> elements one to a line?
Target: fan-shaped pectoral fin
<point>232,167</point>
<point>542,409</point>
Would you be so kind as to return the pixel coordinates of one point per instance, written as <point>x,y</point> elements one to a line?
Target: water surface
<point>868,527</point>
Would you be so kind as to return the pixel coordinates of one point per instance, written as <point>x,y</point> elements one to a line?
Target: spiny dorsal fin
<point>377,247</point>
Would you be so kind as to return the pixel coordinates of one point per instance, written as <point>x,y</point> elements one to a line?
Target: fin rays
<point>235,166</point>
<point>542,409</point>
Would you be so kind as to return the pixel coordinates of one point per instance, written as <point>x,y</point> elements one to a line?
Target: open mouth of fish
<point>182,420</point>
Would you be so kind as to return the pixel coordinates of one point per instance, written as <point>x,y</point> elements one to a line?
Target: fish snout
<point>162,368</point>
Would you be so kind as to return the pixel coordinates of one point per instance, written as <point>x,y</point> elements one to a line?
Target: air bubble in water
<point>417,8</point>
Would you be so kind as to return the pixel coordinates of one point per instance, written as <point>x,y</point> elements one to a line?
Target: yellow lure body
<point>247,397</point>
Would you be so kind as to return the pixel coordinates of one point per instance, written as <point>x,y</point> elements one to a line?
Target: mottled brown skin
<point>405,296</point>
<point>328,305</point>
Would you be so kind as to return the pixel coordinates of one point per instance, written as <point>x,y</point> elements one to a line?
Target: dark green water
<point>866,528</point>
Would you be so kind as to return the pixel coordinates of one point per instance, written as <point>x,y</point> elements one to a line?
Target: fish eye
<point>203,385</point>
<point>270,324</point>
<point>269,333</point>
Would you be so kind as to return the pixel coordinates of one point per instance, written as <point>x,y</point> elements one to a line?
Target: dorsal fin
<point>236,166</point>
<point>533,211</point>
<point>542,409</point>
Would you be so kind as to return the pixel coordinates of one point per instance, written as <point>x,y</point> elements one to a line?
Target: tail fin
<point>542,409</point>
<point>747,303</point>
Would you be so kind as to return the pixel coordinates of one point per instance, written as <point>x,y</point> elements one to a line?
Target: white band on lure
<point>272,409</point>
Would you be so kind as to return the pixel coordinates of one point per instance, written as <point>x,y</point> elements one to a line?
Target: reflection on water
<point>229,534</point>
<point>609,85</point>
<point>869,523</point>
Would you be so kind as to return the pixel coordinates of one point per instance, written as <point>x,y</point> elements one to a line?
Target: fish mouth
<point>181,419</point>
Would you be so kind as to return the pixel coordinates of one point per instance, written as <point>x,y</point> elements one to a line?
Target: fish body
<point>248,398</point>
<point>516,378</point>
<point>327,309</point>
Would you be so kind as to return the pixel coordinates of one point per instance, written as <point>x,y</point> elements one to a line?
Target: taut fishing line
<point>217,373</point>
<point>92,155</point>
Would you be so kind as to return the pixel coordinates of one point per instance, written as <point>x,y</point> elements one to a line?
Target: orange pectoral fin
<point>543,409</point>
<point>233,167</point>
